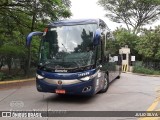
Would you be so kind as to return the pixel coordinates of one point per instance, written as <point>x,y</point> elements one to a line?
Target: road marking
<point>153,106</point>
<point>150,118</point>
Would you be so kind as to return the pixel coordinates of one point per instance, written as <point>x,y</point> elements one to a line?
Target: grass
<point>139,68</point>
<point>16,74</point>
<point>2,75</point>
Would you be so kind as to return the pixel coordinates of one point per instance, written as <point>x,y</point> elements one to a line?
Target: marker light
<point>45,31</point>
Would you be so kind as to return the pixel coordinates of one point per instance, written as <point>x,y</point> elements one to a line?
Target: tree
<point>133,13</point>
<point>19,17</point>
<point>45,10</point>
<point>10,52</point>
<point>124,37</point>
<point>149,44</point>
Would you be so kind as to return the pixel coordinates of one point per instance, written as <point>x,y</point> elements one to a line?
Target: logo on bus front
<point>59,82</point>
<point>61,71</point>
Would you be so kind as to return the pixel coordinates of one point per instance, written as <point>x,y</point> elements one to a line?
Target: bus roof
<point>75,22</point>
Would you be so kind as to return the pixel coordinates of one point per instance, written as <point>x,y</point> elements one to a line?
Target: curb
<point>143,74</point>
<point>32,79</point>
<point>17,81</point>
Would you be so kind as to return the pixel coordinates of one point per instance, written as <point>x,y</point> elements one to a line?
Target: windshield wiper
<point>61,65</point>
<point>64,47</point>
<point>44,65</point>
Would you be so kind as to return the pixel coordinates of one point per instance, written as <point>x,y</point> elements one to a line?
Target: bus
<point>74,58</point>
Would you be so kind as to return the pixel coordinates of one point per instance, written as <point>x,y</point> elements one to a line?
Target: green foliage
<point>35,49</point>
<point>12,51</point>
<point>139,68</point>
<point>149,44</point>
<point>18,18</point>
<point>124,37</point>
<point>146,46</point>
<point>2,75</point>
<point>134,13</point>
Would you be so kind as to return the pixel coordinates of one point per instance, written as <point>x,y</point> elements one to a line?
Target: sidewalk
<point>17,83</point>
<point>143,74</point>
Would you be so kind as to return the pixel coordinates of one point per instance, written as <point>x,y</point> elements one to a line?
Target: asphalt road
<point>129,93</point>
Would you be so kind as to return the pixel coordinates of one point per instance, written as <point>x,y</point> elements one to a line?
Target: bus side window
<point>99,55</point>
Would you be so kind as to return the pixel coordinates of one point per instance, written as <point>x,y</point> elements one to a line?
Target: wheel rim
<point>105,83</point>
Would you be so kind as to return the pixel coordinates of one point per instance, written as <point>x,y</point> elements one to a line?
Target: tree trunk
<point>29,47</point>
<point>9,64</point>
<point>1,63</point>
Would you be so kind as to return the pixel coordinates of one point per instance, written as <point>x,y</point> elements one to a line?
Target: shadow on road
<point>17,85</point>
<point>70,99</point>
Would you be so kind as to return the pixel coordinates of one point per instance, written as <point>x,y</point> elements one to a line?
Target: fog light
<point>87,89</point>
<point>39,88</point>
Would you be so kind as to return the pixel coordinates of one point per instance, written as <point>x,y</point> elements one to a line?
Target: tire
<point>118,77</point>
<point>106,84</point>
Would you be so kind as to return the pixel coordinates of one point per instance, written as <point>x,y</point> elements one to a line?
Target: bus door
<point>99,64</point>
<point>109,57</point>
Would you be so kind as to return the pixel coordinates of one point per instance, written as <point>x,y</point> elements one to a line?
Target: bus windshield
<point>68,47</point>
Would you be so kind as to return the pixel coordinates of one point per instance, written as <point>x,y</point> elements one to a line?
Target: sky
<point>90,9</point>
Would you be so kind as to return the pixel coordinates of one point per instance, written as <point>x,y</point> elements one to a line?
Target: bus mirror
<point>97,36</point>
<point>29,37</point>
<point>115,58</point>
<point>110,36</point>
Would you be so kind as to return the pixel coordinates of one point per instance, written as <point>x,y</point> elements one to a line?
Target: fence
<point>149,65</point>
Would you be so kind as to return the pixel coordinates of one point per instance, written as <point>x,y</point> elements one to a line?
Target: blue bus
<point>74,58</point>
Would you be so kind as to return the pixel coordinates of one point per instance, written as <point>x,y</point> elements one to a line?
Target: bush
<point>2,75</point>
<point>139,68</point>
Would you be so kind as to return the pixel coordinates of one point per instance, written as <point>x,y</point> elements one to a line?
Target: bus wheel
<point>106,84</point>
<point>118,77</point>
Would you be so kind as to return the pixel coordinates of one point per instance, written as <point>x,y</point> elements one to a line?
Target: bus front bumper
<point>80,88</point>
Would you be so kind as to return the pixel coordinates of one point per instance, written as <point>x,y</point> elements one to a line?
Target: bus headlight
<point>39,76</point>
<point>88,77</point>
<point>85,78</point>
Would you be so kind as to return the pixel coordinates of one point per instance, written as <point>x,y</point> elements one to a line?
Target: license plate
<point>60,91</point>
